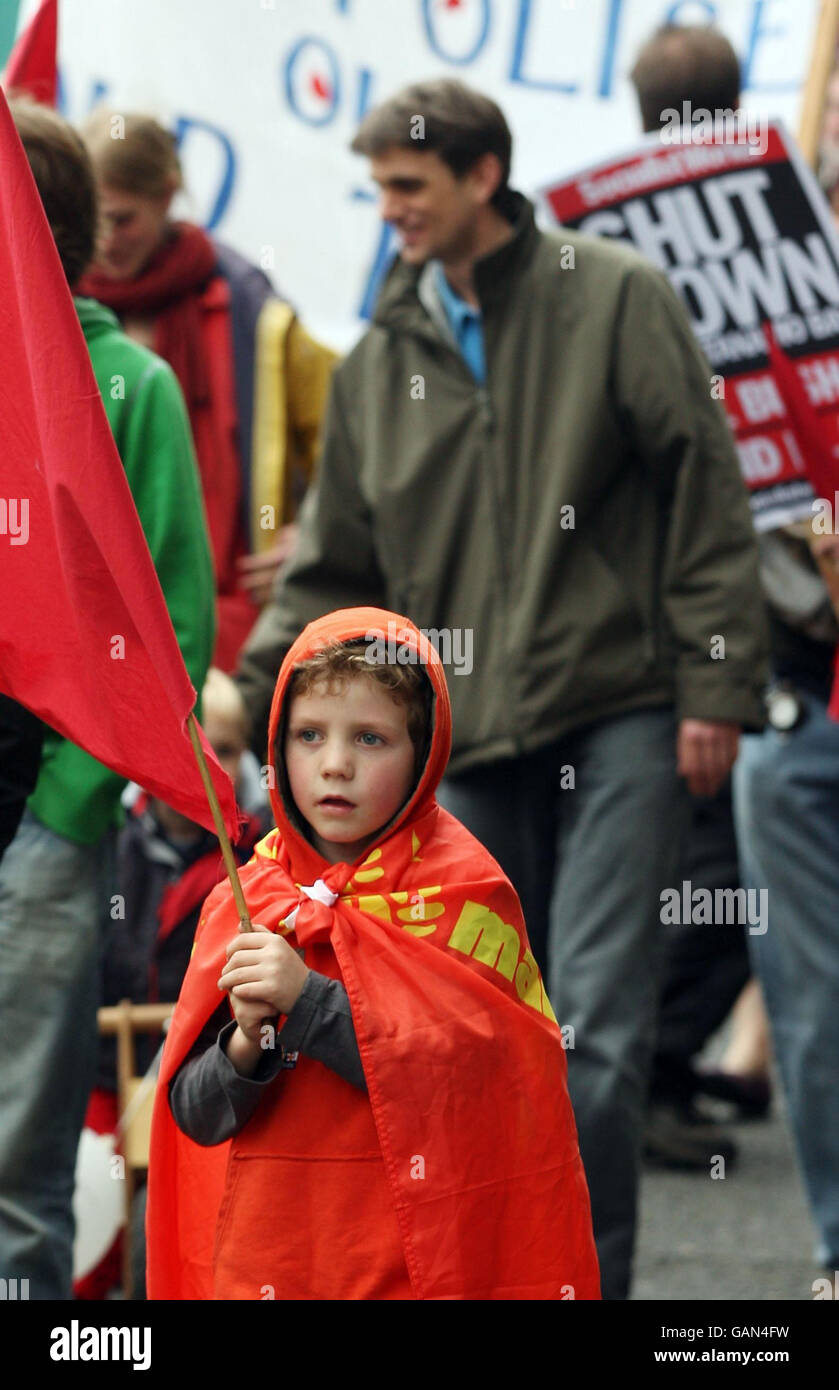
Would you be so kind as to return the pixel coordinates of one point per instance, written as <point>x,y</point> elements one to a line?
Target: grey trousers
<point>787,814</point>
<point>53,897</point>
<point>590,830</point>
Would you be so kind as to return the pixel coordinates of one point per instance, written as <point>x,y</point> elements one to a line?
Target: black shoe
<point>751,1096</point>
<point>680,1136</point>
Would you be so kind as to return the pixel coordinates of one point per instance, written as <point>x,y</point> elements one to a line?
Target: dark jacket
<point>21,739</point>
<point>162,886</point>
<point>449,502</point>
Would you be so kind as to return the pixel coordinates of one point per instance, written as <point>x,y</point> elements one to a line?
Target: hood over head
<point>400,642</point>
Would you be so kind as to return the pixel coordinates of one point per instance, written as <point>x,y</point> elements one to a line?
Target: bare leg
<point>749,1050</point>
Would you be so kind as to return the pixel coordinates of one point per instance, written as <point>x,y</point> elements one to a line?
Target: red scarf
<point>458,1175</point>
<point>191,308</point>
<point>169,290</point>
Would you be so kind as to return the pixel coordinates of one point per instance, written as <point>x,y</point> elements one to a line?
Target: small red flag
<point>85,637</point>
<point>32,62</point>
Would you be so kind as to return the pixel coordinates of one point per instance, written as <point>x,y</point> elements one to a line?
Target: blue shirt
<point>466,325</point>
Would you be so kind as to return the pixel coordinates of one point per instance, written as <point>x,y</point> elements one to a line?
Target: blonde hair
<point>132,152</point>
<point>221,695</point>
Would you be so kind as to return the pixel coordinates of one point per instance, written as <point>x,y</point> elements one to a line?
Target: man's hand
<point>706,750</point>
<point>258,572</point>
<point>262,969</point>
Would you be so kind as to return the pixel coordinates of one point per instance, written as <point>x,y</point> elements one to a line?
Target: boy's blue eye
<point>374,739</point>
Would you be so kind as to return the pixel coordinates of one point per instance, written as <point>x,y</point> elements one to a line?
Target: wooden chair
<point>135,1099</point>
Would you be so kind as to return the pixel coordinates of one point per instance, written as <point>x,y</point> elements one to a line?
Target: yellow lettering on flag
<point>368,874</point>
<point>480,933</point>
<point>376,906</point>
<point>418,918</point>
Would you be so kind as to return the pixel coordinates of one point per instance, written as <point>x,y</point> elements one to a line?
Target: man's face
<point>131,227</point>
<point>434,213</point>
<point>350,763</point>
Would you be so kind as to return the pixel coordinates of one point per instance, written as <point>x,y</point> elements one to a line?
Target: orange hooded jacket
<point>458,1175</point>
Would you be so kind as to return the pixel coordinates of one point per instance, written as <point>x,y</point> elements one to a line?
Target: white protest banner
<point>737,222</point>
<point>264,97</point>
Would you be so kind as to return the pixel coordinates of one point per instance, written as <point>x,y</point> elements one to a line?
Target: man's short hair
<point>457,123</point>
<point>62,171</point>
<point>685,63</point>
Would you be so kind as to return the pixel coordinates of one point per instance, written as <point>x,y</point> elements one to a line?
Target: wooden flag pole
<point>221,830</point>
<point>821,66</point>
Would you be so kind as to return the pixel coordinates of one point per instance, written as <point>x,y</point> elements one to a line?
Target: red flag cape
<point>819,459</point>
<point>32,64</point>
<point>458,1175</point>
<point>85,637</point>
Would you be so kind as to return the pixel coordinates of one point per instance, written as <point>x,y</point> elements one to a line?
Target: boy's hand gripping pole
<point>221,831</point>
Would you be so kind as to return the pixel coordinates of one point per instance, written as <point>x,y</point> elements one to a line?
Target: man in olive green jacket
<point>522,453</point>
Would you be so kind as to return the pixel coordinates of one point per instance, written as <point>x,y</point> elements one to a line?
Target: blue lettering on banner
<point>382,258</point>
<point>60,93</point>
<point>610,48</point>
<point>330,96</point>
<point>182,127</point>
<point>672,16</point>
<point>98,92</point>
<point>516,65</point>
<point>756,33</point>
<point>460,59</point>
<point>365,82</point>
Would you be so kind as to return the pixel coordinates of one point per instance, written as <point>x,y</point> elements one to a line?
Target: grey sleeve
<point>210,1101</point>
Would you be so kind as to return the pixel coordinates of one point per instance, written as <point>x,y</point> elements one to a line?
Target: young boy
<point>385,1115</point>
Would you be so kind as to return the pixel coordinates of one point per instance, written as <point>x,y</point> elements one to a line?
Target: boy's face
<point>350,763</point>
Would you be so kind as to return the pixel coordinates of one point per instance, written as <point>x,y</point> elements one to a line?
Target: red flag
<point>32,66</point>
<point>85,637</point>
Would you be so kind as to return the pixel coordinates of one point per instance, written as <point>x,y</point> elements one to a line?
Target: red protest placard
<point>741,229</point>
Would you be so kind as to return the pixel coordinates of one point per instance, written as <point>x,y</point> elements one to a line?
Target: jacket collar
<point>400,306</point>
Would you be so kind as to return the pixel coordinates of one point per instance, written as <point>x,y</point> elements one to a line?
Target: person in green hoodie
<point>523,456</point>
<point>57,887</point>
